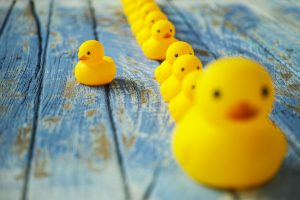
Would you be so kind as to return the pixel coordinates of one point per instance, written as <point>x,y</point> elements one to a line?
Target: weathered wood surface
<point>62,140</point>
<point>74,152</point>
<point>19,83</point>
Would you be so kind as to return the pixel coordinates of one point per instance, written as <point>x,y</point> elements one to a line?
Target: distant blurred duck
<point>181,67</point>
<point>180,104</point>
<point>134,14</point>
<point>144,11</point>
<point>150,20</point>
<point>175,50</point>
<point>162,36</point>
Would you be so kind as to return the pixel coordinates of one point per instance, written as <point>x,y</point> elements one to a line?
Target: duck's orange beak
<point>83,57</point>
<point>242,111</point>
<point>168,35</point>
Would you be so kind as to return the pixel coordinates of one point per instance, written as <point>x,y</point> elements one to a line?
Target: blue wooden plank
<point>137,108</point>
<point>281,44</point>
<point>282,13</point>
<point>19,59</point>
<point>142,120</point>
<point>74,152</point>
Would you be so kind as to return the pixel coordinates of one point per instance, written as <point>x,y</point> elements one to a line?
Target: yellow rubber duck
<point>144,11</point>
<point>129,7</point>
<point>134,16</point>
<point>162,36</point>
<point>181,67</point>
<point>183,101</point>
<point>93,67</point>
<point>175,50</point>
<point>150,19</point>
<point>127,2</point>
<point>226,139</point>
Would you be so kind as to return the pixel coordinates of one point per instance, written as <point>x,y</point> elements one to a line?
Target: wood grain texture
<point>19,82</point>
<point>63,140</point>
<point>74,152</point>
<point>277,39</point>
<point>142,120</point>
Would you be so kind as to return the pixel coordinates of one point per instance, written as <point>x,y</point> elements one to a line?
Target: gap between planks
<point>7,16</point>
<point>109,110</point>
<point>39,74</point>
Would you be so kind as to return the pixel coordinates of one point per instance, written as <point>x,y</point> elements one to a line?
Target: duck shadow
<point>285,185</point>
<point>121,84</point>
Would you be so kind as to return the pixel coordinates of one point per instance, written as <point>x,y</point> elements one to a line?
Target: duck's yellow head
<point>147,8</point>
<point>153,17</point>
<point>189,83</point>
<point>91,50</point>
<point>163,29</point>
<point>178,49</point>
<point>184,65</point>
<point>235,89</point>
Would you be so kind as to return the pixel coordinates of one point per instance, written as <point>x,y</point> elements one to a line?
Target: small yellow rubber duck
<point>134,16</point>
<point>175,50</point>
<point>150,19</point>
<point>144,11</point>
<point>162,36</point>
<point>226,139</point>
<point>181,67</point>
<point>93,67</point>
<point>183,101</point>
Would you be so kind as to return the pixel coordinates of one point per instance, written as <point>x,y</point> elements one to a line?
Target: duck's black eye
<point>176,55</point>
<point>191,53</point>
<point>147,12</point>
<point>198,67</point>
<point>265,92</point>
<point>88,53</point>
<point>158,31</point>
<point>182,69</point>
<point>152,21</point>
<point>193,87</point>
<point>217,94</point>
<point>171,30</point>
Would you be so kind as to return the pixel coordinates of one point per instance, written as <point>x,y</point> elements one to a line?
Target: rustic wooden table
<point>63,140</point>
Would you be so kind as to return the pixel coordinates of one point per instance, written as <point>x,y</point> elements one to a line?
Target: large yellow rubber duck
<point>162,36</point>
<point>144,11</point>
<point>226,139</point>
<point>150,19</point>
<point>181,67</point>
<point>175,50</point>
<point>93,67</point>
<point>182,102</point>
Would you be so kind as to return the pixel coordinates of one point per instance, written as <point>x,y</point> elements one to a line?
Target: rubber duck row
<point>223,136</point>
